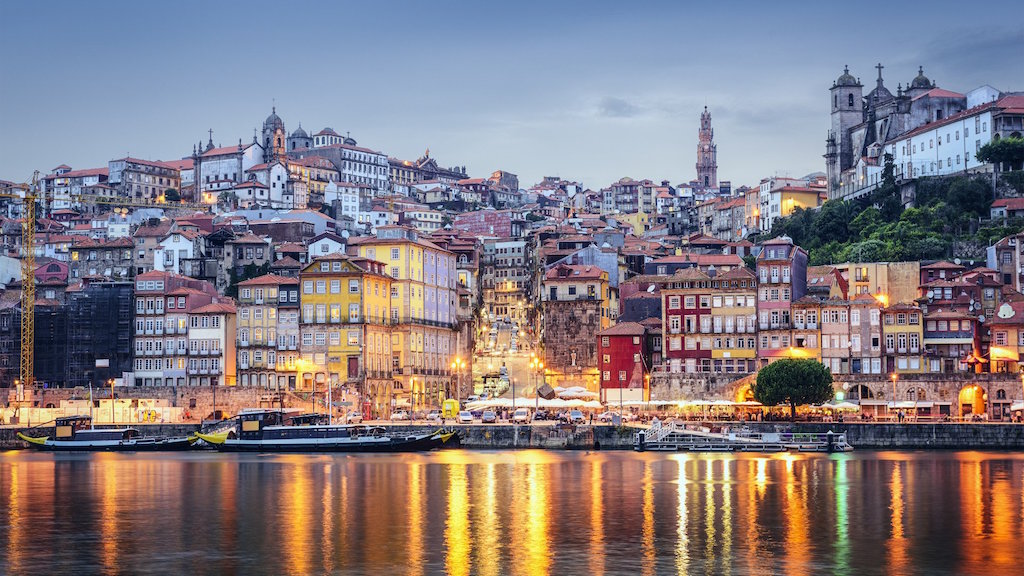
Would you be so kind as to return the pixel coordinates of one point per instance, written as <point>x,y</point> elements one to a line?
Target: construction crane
<point>28,195</point>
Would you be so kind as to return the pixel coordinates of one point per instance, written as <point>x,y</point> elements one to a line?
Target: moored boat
<point>75,433</point>
<point>266,431</point>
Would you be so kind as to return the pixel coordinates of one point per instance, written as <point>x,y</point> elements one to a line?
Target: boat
<point>672,438</point>
<point>276,431</point>
<point>75,433</point>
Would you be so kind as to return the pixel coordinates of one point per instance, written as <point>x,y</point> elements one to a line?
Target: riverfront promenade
<point>862,435</point>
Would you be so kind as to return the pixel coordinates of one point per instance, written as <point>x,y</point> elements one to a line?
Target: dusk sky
<point>589,91</point>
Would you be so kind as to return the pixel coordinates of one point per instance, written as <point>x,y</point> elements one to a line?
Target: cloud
<point>612,107</point>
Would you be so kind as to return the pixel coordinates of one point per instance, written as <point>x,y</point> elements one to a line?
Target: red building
<point>624,362</point>
<point>497,223</point>
<point>685,299</point>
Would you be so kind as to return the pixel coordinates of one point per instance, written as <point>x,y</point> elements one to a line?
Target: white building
<point>220,169</point>
<point>950,145</point>
<point>175,247</point>
<point>274,175</point>
<point>211,345</point>
<point>345,197</point>
<point>324,244</point>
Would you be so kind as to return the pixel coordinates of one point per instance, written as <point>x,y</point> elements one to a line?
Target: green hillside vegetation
<point>878,228</point>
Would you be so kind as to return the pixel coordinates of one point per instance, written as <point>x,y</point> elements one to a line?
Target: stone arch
<point>1014,134</point>
<point>916,394</point>
<point>860,392</point>
<point>972,400</point>
<point>745,393</point>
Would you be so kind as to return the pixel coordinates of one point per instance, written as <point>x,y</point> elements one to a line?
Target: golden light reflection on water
<point>897,544</point>
<point>597,518</point>
<point>682,551</point>
<point>797,514</point>
<point>296,505</point>
<point>537,524</point>
<point>106,490</point>
<point>649,552</point>
<point>327,553</point>
<point>488,532</point>
<point>456,536</point>
<point>414,565</point>
<point>523,513</point>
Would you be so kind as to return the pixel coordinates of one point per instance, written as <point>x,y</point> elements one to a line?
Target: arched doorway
<point>745,394</point>
<point>972,400</point>
<point>916,394</point>
<point>860,392</point>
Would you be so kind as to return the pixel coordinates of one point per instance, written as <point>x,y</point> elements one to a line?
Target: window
<point>353,286</point>
<point>673,301</point>
<point>605,341</point>
<point>394,253</point>
<point>307,287</point>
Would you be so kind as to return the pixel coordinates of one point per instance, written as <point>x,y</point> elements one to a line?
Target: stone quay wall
<point>933,387</point>
<point>863,436</point>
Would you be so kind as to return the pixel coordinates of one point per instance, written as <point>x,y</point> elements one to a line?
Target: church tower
<point>707,153</point>
<point>847,112</point>
<point>274,137</point>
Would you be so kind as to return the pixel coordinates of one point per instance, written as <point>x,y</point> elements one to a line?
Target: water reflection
<point>513,513</point>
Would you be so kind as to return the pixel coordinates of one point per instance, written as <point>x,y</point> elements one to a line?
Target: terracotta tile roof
<point>216,308</point>
<point>226,150</point>
<point>286,262</point>
<point>943,264</point>
<point>575,272</point>
<point>269,279</point>
<point>624,329</point>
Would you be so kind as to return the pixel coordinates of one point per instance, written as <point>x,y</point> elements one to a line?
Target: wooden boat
<point>265,431</point>
<point>74,433</point>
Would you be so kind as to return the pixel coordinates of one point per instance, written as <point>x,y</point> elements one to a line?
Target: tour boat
<point>265,431</point>
<point>75,433</point>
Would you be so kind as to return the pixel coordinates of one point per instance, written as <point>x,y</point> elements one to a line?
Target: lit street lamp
<point>537,369</point>
<point>894,377</point>
<point>457,365</point>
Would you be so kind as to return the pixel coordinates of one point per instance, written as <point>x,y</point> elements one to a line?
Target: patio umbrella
<point>593,404</point>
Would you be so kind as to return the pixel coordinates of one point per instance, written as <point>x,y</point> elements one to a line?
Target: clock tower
<point>707,153</point>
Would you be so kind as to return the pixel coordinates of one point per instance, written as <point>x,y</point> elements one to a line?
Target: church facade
<point>863,124</point>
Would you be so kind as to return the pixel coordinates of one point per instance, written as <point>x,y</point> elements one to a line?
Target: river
<point>525,512</point>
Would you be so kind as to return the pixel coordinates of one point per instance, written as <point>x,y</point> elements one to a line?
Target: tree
<point>172,195</point>
<point>1005,151</point>
<point>793,381</point>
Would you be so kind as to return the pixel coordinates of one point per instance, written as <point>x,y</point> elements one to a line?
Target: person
<point>591,417</point>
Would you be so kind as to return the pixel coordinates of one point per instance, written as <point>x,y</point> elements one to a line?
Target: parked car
<point>354,417</point>
<point>433,416</point>
<point>521,415</point>
<point>489,417</point>
<point>400,415</point>
<point>607,416</point>
<point>465,417</point>
<point>576,417</point>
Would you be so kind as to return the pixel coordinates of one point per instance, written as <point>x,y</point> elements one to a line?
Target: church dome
<point>273,121</point>
<point>847,79</point>
<point>300,133</point>
<point>921,81</point>
<point>349,141</point>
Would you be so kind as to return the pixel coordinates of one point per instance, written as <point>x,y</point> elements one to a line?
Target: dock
<point>662,437</point>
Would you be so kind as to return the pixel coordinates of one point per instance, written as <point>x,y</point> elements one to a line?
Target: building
<point>507,278</point>
<point>268,332</point>
<point>354,164</point>
<point>424,340</point>
<point>110,259</point>
<point>782,280</point>
<point>891,282</point>
<point>164,303</point>
<point>865,335</point>
<point>576,304</point>
<point>707,153</point>
<point>624,363</point>
<point>137,179</point>
<point>902,334</point>
<point>346,329</point>
<point>496,223</point>
<point>211,344</point>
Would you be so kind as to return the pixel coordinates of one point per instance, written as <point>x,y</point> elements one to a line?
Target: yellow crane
<point>28,195</point>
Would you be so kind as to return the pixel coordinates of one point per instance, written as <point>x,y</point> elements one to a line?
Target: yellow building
<point>892,282</point>
<point>732,318</point>
<point>639,221</point>
<point>903,339</point>
<point>345,327</point>
<point>425,337</point>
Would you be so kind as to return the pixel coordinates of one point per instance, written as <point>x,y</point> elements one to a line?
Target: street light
<point>457,365</point>
<point>537,368</point>
<point>894,377</point>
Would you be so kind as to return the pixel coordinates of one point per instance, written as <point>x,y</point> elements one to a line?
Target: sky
<point>588,91</point>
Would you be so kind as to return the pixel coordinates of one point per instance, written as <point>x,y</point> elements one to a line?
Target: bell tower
<point>707,153</point>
